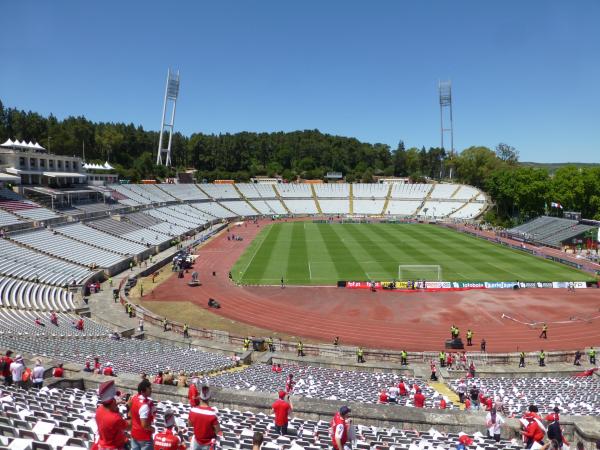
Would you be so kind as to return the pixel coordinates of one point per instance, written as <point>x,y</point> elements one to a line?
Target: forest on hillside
<point>519,191</point>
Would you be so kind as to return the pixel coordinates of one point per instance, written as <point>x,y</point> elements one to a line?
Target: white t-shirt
<point>393,392</point>
<point>494,428</point>
<point>37,375</point>
<point>17,370</point>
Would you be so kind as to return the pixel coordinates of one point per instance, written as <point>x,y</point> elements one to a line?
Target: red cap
<point>281,394</point>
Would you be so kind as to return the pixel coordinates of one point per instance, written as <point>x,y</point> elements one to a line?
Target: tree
<point>475,164</point>
<point>507,153</point>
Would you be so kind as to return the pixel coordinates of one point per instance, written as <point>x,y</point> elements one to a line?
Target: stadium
<point>288,288</point>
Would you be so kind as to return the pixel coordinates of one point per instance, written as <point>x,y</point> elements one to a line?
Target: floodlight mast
<point>445,94</point>
<point>171,94</point>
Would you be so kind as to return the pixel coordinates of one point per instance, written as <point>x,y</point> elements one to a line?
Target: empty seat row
<point>55,244</point>
<point>21,262</point>
<point>26,295</point>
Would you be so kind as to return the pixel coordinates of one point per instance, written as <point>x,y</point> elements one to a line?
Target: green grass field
<point>306,253</point>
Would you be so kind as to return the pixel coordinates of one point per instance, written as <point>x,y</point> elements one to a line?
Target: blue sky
<point>524,72</point>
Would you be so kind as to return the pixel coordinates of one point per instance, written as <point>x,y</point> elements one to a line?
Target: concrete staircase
<point>351,198</point>
<point>280,199</point>
<point>427,197</point>
<point>314,195</point>
<point>246,200</point>
<point>388,197</point>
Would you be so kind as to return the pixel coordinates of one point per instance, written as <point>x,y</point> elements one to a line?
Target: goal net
<point>419,272</point>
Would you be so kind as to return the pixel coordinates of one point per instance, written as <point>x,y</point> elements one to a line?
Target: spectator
<point>37,376</point>
<point>182,379</point>
<point>402,388</point>
<point>5,363</point>
<point>168,377</point>
<point>141,324</point>
<point>383,397</point>
<point>461,389</point>
<point>87,367</point>
<point>111,426</point>
<point>142,411</point>
<point>393,394</point>
<point>419,399</point>
<point>463,441</point>
<point>16,369</point>
<point>193,394</point>
<point>38,322</point>
<point>168,439</point>
<point>158,379</point>
<point>289,383</point>
<point>443,403</point>
<point>534,429</point>
<point>79,325</point>
<point>53,318</point>
<point>555,430</point>
<point>108,370</point>
<point>472,369</point>
<point>433,372</point>
<point>494,423</point>
<point>474,395</point>
<point>282,408</point>
<point>257,440</point>
<point>204,421</point>
<point>340,426</point>
<point>58,371</point>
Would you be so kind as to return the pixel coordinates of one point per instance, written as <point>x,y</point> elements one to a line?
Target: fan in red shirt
<point>111,426</point>
<point>58,371</point>
<point>534,429</point>
<point>108,370</point>
<point>193,392</point>
<point>79,325</point>
<point>383,397</point>
<point>142,411</point>
<point>340,427</point>
<point>289,383</point>
<point>402,388</point>
<point>443,403</point>
<point>464,441</point>
<point>282,408</point>
<point>276,368</point>
<point>204,420</point>
<point>489,403</point>
<point>158,379</point>
<point>168,439</point>
<point>419,399</point>
<point>553,416</point>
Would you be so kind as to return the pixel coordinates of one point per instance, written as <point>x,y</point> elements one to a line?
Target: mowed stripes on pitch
<point>306,253</point>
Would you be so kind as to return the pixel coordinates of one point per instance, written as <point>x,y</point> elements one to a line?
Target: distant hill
<point>553,167</point>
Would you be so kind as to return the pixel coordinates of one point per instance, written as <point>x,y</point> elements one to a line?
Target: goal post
<point>408,272</point>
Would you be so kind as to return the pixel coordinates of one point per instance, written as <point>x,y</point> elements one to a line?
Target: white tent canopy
<point>22,144</point>
<point>91,166</point>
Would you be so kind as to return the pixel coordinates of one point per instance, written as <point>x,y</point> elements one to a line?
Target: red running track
<point>386,319</point>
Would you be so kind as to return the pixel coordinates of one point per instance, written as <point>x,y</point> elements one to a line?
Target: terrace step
<point>243,197</point>
<point>427,197</point>
<point>280,199</point>
<point>387,199</point>
<point>314,195</point>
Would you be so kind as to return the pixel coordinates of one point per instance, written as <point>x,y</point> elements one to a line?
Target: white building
<point>35,166</point>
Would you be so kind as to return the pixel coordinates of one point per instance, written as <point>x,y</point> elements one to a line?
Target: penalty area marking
<point>255,252</point>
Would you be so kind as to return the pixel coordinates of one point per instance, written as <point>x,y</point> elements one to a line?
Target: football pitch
<point>306,253</point>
